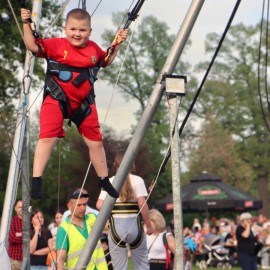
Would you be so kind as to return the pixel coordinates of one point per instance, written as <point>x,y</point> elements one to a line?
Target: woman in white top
<point>158,255</point>
<point>125,223</point>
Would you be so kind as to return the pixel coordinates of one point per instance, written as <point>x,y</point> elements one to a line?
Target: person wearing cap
<point>73,233</point>
<point>246,243</point>
<point>88,208</point>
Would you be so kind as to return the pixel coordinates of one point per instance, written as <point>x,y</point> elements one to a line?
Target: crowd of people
<point>134,232</point>
<point>61,241</point>
<point>246,238</point>
<point>150,243</point>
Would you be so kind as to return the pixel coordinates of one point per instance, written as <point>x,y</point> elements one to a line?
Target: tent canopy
<point>207,192</point>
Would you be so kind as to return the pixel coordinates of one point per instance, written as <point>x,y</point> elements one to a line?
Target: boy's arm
<point>121,36</point>
<point>28,37</point>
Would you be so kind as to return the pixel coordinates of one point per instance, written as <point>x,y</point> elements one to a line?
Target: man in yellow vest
<point>72,235</point>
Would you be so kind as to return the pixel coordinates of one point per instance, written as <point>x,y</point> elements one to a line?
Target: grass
<point>194,267</point>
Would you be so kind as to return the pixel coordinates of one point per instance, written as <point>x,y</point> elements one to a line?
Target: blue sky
<point>212,18</point>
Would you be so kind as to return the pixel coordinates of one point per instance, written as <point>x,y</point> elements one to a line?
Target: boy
<point>68,92</point>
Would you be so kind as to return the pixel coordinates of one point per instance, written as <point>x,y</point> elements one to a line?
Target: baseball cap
<point>76,194</point>
<point>104,238</point>
<point>244,216</point>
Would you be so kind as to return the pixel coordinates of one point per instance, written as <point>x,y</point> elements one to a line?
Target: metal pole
<point>176,86</point>
<point>12,182</point>
<point>26,201</point>
<point>140,132</point>
<point>176,187</point>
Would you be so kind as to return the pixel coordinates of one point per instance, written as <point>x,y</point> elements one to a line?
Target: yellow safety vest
<point>76,243</point>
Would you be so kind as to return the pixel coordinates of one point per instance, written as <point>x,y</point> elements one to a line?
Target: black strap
<point>125,208</point>
<point>54,68</point>
<point>54,90</point>
<point>54,65</point>
<point>165,243</point>
<point>164,239</point>
<point>117,240</point>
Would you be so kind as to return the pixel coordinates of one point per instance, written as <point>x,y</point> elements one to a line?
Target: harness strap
<point>64,73</point>
<point>126,208</point>
<point>57,69</point>
<point>81,113</point>
<point>54,66</point>
<point>54,90</point>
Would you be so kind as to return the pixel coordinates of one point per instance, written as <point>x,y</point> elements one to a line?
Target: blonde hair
<point>126,193</point>
<point>158,220</point>
<point>78,14</point>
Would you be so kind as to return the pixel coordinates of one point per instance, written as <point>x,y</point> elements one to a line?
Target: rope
<point>96,8</point>
<point>57,17</point>
<point>118,76</point>
<point>15,18</point>
<point>259,63</point>
<point>26,91</point>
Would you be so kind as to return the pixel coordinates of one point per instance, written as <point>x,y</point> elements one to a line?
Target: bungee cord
<point>259,67</point>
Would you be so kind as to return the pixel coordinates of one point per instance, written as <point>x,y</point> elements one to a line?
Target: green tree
<point>215,152</point>
<point>231,96</point>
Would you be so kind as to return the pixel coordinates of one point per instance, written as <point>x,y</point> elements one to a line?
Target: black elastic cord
<point>259,66</point>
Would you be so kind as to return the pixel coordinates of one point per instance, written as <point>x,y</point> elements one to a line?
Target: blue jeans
<point>246,261</point>
<point>38,267</point>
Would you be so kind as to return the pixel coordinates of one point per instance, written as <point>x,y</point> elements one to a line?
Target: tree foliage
<point>216,153</point>
<point>231,97</point>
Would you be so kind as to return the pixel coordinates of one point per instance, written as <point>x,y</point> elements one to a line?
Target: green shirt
<point>62,239</point>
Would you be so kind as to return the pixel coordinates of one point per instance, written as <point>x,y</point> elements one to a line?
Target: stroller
<point>215,254</point>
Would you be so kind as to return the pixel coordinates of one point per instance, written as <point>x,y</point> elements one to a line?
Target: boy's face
<point>77,31</point>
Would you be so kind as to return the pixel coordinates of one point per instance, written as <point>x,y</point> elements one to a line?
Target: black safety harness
<point>126,208</point>
<point>64,74</point>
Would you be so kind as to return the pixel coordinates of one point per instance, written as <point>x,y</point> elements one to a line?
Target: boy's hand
<point>25,15</point>
<point>121,36</point>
